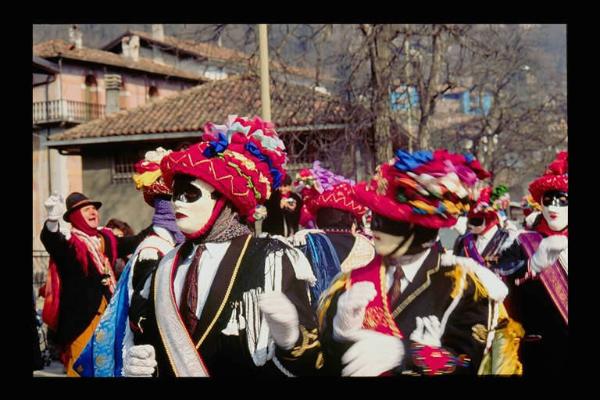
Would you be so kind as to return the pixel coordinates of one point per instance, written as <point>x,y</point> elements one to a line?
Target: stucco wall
<point>121,201</point>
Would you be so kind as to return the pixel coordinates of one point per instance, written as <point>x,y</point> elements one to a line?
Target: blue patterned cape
<point>324,262</point>
<point>103,355</point>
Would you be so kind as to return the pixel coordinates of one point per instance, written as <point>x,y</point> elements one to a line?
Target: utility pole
<point>265,98</point>
<point>407,84</point>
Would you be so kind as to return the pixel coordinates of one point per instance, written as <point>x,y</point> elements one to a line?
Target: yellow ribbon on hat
<point>146,179</point>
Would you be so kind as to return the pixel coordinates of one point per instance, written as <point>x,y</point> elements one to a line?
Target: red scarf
<point>543,228</point>
<point>76,219</point>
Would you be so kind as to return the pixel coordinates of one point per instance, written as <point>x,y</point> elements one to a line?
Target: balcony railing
<point>66,110</point>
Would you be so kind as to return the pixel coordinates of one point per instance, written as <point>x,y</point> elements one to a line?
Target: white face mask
<point>193,215</point>
<point>557,217</point>
<point>386,243</point>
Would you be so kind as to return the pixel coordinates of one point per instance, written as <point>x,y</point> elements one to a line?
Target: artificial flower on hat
<point>556,177</point>
<point>529,205</point>
<point>148,176</point>
<point>319,187</point>
<point>244,159</point>
<point>500,198</point>
<point>431,189</point>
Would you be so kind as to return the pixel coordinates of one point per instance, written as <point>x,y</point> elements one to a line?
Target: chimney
<point>130,46</point>
<point>112,82</point>
<point>125,47</point>
<point>158,34</point>
<point>134,48</point>
<point>75,37</point>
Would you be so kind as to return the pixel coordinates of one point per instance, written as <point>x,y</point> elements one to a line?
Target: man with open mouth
<point>81,277</point>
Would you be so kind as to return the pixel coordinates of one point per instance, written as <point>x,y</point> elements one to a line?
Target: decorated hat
<point>77,200</point>
<point>243,159</point>
<point>321,188</point>
<point>430,189</point>
<point>529,205</point>
<point>500,198</point>
<point>340,197</point>
<point>556,177</point>
<point>148,176</point>
<point>491,201</point>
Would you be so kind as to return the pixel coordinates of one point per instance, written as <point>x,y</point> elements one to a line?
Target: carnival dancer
<point>102,356</point>
<point>335,245</point>
<point>81,272</point>
<point>487,238</point>
<point>539,290</point>
<point>412,310</point>
<point>225,303</point>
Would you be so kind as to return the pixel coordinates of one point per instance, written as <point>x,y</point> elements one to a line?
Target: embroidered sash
<point>180,349</point>
<point>101,262</point>
<point>471,249</point>
<point>554,278</point>
<point>377,314</point>
<point>103,355</point>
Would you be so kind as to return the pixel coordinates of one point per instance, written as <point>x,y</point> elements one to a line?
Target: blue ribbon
<point>469,157</point>
<point>216,147</point>
<point>408,162</point>
<point>252,148</point>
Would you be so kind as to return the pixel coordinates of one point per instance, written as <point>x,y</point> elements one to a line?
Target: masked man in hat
<point>487,238</point>
<point>412,310</point>
<point>336,244</point>
<point>539,290</point>
<point>82,260</point>
<point>103,356</point>
<point>492,242</point>
<point>225,303</point>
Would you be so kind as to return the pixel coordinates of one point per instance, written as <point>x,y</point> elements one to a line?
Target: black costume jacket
<point>544,349</point>
<point>501,252</point>
<point>241,272</point>
<point>430,293</point>
<point>277,217</point>
<point>81,294</point>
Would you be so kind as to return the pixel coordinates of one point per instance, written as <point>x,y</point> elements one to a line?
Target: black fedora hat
<point>77,200</point>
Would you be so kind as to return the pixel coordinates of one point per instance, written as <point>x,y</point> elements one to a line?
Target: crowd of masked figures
<point>246,270</point>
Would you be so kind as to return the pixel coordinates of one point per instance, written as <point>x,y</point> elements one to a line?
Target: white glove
<point>148,254</point>
<point>510,226</point>
<point>373,354</point>
<point>461,225</point>
<point>53,205</point>
<point>548,252</point>
<point>140,361</point>
<point>350,313</point>
<point>299,238</point>
<point>428,331</point>
<point>282,318</point>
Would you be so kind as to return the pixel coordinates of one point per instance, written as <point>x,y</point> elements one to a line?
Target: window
<point>90,110</point>
<point>400,98</point>
<point>472,105</point>
<point>122,168</point>
<point>152,92</point>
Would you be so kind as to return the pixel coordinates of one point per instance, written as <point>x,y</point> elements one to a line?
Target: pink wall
<point>133,94</point>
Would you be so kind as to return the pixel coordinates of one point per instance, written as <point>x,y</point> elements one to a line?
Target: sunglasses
<point>558,199</point>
